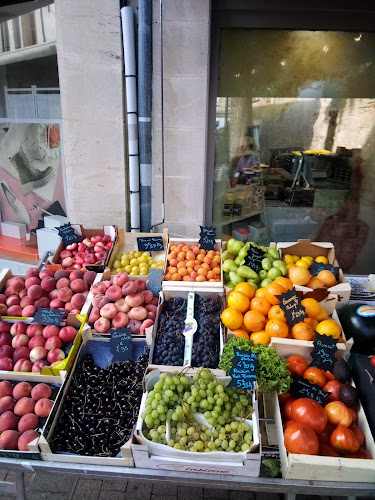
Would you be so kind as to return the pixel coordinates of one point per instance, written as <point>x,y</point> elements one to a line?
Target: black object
<point>358,322</point>
<point>207,237</point>
<point>364,379</point>
<point>97,268</point>
<point>154,281</point>
<point>341,371</point>
<point>349,395</point>
<point>44,316</point>
<point>55,209</point>
<point>324,350</point>
<point>302,388</point>
<point>120,344</point>
<point>150,244</point>
<point>254,259</point>
<point>68,234</point>
<point>316,267</point>
<point>243,368</point>
<point>290,303</point>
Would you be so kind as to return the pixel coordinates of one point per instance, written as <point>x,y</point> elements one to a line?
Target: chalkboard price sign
<point>154,281</point>
<point>207,238</point>
<point>68,234</point>
<point>254,259</point>
<point>150,244</point>
<point>243,368</point>
<point>302,388</point>
<point>290,303</point>
<point>120,344</point>
<point>316,267</point>
<point>44,316</point>
<point>323,354</point>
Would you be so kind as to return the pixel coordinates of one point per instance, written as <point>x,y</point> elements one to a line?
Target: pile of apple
<point>47,289</point>
<point>21,407</point>
<point>86,253</point>
<point>28,348</point>
<point>122,303</point>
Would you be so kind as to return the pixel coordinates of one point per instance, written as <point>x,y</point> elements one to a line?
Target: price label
<point>45,316</point>
<point>254,259</point>
<point>290,303</point>
<point>323,354</point>
<point>243,368</point>
<point>68,234</point>
<point>302,388</point>
<point>154,281</point>
<point>120,344</point>
<point>316,267</point>
<point>150,244</point>
<point>207,238</point>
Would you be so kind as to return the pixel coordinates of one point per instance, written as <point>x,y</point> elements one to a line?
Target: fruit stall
<point>227,363</point>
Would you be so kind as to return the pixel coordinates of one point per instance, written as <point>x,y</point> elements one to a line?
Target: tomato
<point>325,450</point>
<point>299,438</point>
<point>361,453</point>
<point>283,398</point>
<point>344,440</point>
<point>309,412</point>
<point>297,364</point>
<point>338,413</point>
<point>353,413</point>
<point>315,375</point>
<point>288,409</point>
<point>288,423</point>
<point>329,375</point>
<point>372,360</point>
<point>333,387</point>
<point>359,433</point>
<point>326,434</point>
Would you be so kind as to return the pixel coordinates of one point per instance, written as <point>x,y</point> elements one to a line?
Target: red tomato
<point>329,375</point>
<point>361,453</point>
<point>288,423</point>
<point>338,413</point>
<point>297,364</point>
<point>344,440</point>
<point>333,387</point>
<point>283,398</point>
<point>315,375</point>
<point>288,409</point>
<point>309,412</point>
<point>359,433</point>
<point>372,360</point>
<point>326,434</point>
<point>325,450</point>
<point>353,413</point>
<point>299,438</point>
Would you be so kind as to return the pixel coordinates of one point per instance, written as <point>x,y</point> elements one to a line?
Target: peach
<point>50,331</point>
<point>96,239</point>
<point>2,298</point>
<point>68,306</point>
<point>44,273</point>
<point>36,342</point>
<point>102,325</point>
<point>72,246</point>
<point>32,272</point>
<point>134,300</point>
<point>23,406</point>
<point>122,305</point>
<point>56,304</point>
<point>53,295</point>
<point>76,275</point>
<point>41,391</point>
<point>108,311</point>
<point>120,320</point>
<point>23,365</point>
<point>6,351</point>
<point>155,301</point>
<point>13,300</point>
<point>141,285</point>
<point>89,277</point>
<point>90,258</point>
<point>17,283</point>
<point>63,283</point>
<point>61,273</point>
<point>18,328</point>
<point>53,343</point>
<point>6,388</point>
<point>134,325</point>
<point>22,293</point>
<point>21,353</point>
<point>114,293</point>
<point>147,295</point>
<point>65,254</point>
<point>107,284</point>
<point>75,311</point>
<point>28,312</point>
<point>146,324</point>
<point>35,292</point>
<point>42,302</point>
<point>6,364</point>
<point>15,311</point>
<point>3,310</point>
<point>151,315</point>
<point>5,326</point>
<point>34,330</point>
<point>38,352</point>
<point>106,239</point>
<point>130,288</point>
<point>31,281</point>
<point>120,279</point>
<point>9,440</point>
<point>100,301</point>
<point>26,301</point>
<point>98,288</point>
<point>139,313</point>
<point>28,422</point>
<point>94,315</point>
<point>5,339</point>
<point>65,294</point>
<point>101,255</point>
<point>7,403</point>
<point>39,365</point>
<point>8,421</point>
<point>26,438</point>
<point>78,286</point>
<point>48,284</point>
<point>55,355</point>
<point>78,301</point>
<point>151,308</point>
<point>22,390</point>
<point>67,334</point>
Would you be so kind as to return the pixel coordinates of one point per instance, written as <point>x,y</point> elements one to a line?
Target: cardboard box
<point>151,455</point>
<point>194,286</point>
<point>99,348</point>
<point>314,249</point>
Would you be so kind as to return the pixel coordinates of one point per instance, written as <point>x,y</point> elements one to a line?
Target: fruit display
<point>169,414</point>
<point>136,263</point>
<point>89,251</point>
<point>257,315</point>
<point>24,408</point>
<point>120,302</point>
<point>100,408</point>
<point>192,264</point>
<point>235,270</point>
<point>45,288</point>
<point>31,347</point>
<point>170,341</point>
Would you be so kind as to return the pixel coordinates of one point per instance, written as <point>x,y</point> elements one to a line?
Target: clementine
<point>232,318</point>
<point>238,300</point>
<point>284,282</point>
<point>245,288</point>
<point>277,328</point>
<point>254,321</point>
<point>260,304</point>
<point>276,313</point>
<point>303,331</point>
<point>260,337</point>
<point>239,332</point>
<point>311,306</point>
<point>272,291</point>
<point>299,275</point>
<point>322,315</point>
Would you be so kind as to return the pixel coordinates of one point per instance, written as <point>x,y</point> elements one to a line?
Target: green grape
<point>158,386</point>
<point>224,444</point>
<point>244,447</point>
<point>199,445</point>
<point>232,443</point>
<point>149,420</point>
<point>190,431</point>
<point>177,446</point>
<point>183,441</point>
<point>158,396</point>
<point>154,414</point>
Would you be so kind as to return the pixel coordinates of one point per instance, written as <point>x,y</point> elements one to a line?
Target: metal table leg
<point>20,485</point>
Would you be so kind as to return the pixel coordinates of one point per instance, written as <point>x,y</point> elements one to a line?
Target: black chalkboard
<point>323,354</point>
<point>154,281</point>
<point>243,368</point>
<point>68,234</point>
<point>207,238</point>
<point>97,268</point>
<point>316,267</point>
<point>290,303</point>
<point>254,259</point>
<point>150,244</point>
<point>45,316</point>
<point>302,388</point>
<point>120,344</point>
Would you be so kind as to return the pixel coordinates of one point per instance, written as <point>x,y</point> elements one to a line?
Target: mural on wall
<point>30,173</point>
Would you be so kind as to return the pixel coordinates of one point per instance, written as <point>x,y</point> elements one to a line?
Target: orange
<point>272,290</point>
<point>241,333</point>
<point>284,282</point>
<point>277,328</point>
<point>303,331</point>
<point>312,322</point>
<point>276,313</point>
<point>232,318</point>
<point>327,277</point>
<point>329,327</point>
<point>260,337</point>
<point>315,283</point>
<point>261,292</point>
<point>322,314</point>
<point>311,306</point>
<point>299,275</point>
<point>254,321</point>
<point>260,304</point>
<point>245,288</point>
<point>238,300</point>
